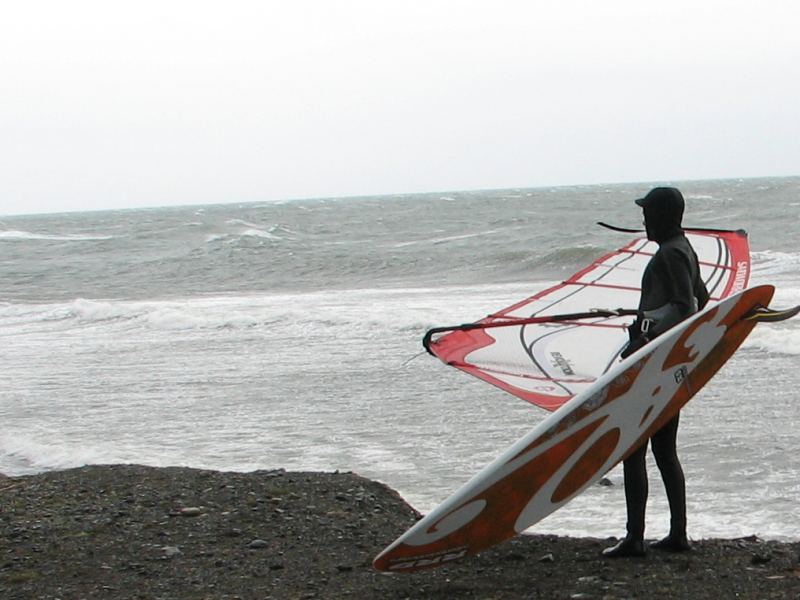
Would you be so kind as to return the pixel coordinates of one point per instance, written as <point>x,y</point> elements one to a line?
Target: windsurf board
<point>576,445</point>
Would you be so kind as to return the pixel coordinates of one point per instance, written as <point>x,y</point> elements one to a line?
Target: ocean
<point>287,335</point>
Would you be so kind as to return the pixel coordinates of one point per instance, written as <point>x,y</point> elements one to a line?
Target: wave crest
<point>771,262</point>
<point>16,235</point>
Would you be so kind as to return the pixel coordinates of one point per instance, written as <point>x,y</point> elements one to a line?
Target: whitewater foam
<point>27,236</point>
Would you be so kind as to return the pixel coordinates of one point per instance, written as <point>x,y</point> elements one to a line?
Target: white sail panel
<point>548,361</point>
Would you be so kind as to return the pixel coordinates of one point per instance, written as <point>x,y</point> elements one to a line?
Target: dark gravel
<point>174,533</point>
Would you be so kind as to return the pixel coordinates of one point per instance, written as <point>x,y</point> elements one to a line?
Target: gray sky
<point>110,104</point>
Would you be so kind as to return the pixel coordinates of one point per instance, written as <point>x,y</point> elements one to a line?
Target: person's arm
<point>677,275</point>
<point>701,293</point>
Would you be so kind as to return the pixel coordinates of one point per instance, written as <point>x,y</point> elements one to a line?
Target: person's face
<point>647,227</point>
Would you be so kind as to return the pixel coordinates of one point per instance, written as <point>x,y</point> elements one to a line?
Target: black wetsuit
<point>672,289</point>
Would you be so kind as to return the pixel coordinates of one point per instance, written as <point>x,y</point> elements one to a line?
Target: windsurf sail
<point>554,344</point>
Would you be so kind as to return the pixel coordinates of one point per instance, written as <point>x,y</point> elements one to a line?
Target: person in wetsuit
<point>672,289</point>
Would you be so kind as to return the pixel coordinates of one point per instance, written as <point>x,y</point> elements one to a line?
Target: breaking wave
<point>12,235</point>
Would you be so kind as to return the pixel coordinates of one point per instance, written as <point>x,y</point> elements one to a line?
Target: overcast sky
<point>122,104</point>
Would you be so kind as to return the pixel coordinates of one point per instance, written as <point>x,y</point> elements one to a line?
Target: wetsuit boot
<point>630,546</point>
<point>672,543</point>
<point>636,489</point>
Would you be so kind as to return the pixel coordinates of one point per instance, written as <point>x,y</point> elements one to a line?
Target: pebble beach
<point>135,532</point>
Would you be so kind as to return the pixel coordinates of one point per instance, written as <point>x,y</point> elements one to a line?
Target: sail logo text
<point>562,363</point>
<point>742,267</point>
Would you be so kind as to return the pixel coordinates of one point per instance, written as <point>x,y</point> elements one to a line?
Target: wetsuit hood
<point>663,213</point>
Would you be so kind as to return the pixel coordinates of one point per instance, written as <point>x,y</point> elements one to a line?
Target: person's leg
<point>666,454</point>
<point>636,489</point>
